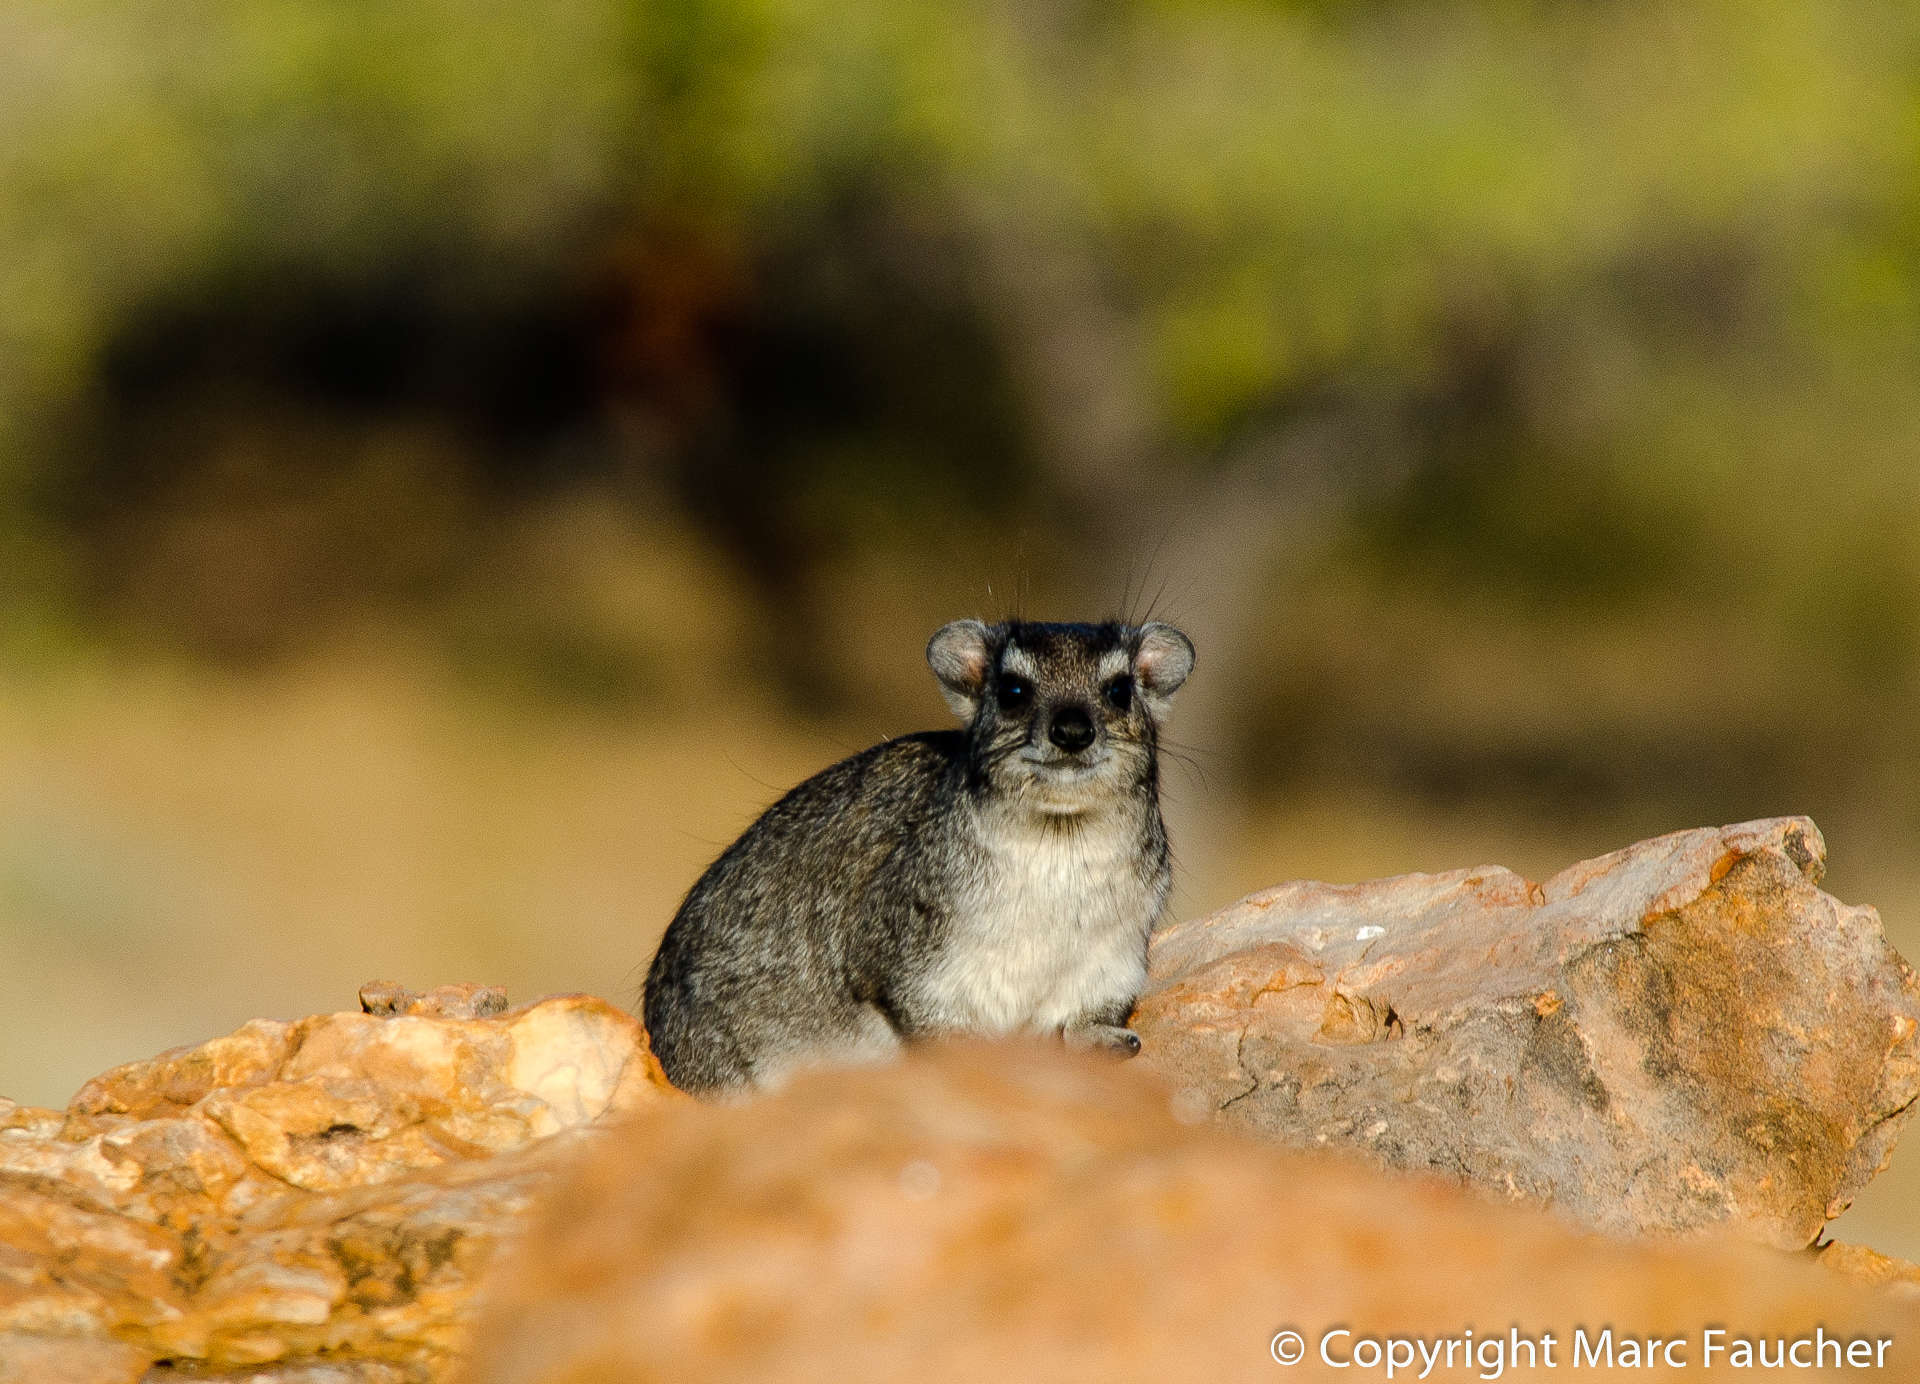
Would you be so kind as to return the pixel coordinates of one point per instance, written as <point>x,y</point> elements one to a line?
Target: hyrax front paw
<point>1111,1039</point>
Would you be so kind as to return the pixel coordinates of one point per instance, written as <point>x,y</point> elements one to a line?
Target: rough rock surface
<point>1687,1033</point>
<point>1017,1214</point>
<point>307,1202</point>
<point>1865,1265</point>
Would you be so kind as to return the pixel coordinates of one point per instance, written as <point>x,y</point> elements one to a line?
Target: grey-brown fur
<point>995,879</point>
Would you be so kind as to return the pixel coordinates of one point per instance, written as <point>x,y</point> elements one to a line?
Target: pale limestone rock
<point>313,1202</point>
<point>1684,1034</point>
<point>303,1203</point>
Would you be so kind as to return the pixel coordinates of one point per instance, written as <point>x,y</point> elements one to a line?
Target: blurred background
<point>459,460</point>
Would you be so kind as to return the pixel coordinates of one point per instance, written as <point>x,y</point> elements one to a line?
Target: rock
<point>1870,1266</point>
<point>1684,1036</point>
<point>464,1001</point>
<point>1681,1035</point>
<point>29,1359</point>
<point>1011,1214</point>
<point>303,1202</point>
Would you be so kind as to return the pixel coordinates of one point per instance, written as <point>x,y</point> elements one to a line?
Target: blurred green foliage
<point>1590,324</point>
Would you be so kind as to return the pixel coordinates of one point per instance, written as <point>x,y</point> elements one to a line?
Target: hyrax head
<point>1060,716</point>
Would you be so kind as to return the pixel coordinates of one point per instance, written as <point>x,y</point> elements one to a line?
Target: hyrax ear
<point>960,655</point>
<point>1161,664</point>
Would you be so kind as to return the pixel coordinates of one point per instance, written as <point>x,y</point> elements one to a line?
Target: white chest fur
<point>1052,925</point>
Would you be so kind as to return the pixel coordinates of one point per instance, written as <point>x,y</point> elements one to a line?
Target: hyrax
<point>994,880</point>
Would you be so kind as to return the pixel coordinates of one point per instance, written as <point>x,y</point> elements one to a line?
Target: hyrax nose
<point>1072,729</point>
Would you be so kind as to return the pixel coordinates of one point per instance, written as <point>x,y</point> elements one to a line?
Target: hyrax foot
<point>1111,1039</point>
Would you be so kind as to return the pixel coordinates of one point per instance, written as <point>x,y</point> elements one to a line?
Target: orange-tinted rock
<point>1684,1034</point>
<point>1870,1266</point>
<point>313,1199</point>
<point>30,1359</point>
<point>465,1001</point>
<point>1019,1214</point>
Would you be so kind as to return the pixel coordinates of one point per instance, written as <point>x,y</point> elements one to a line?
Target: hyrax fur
<point>994,880</point>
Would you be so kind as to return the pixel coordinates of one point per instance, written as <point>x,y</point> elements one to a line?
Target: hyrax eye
<point>1014,693</point>
<point>1119,693</point>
